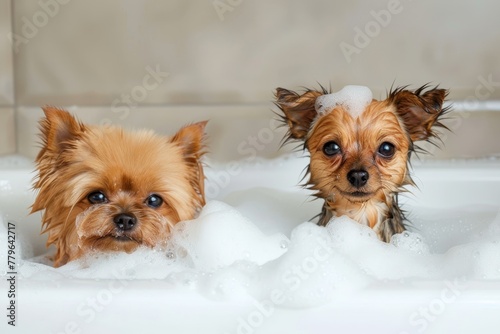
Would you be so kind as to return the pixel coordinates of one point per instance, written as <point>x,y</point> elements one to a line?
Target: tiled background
<point>221,60</point>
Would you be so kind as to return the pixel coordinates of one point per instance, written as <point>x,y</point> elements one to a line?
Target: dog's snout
<point>358,178</point>
<point>125,221</point>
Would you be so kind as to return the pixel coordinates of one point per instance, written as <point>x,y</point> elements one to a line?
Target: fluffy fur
<point>363,177</point>
<point>105,189</point>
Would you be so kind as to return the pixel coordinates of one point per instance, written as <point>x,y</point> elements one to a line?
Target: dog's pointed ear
<point>191,139</point>
<point>298,110</point>
<point>58,130</point>
<point>420,110</point>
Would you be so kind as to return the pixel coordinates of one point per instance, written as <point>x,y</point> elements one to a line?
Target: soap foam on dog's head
<point>353,98</point>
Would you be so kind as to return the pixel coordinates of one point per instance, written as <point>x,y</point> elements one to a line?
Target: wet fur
<point>78,159</point>
<point>403,118</point>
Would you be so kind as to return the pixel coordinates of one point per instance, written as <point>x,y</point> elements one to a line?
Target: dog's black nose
<point>358,178</point>
<point>124,221</point>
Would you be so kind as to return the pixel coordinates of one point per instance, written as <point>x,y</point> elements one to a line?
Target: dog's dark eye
<point>97,197</point>
<point>154,201</point>
<point>331,148</point>
<point>386,150</point>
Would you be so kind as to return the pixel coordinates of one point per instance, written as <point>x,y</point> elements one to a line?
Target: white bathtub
<point>449,305</point>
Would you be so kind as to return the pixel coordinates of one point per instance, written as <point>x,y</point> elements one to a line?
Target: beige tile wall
<point>6,64</point>
<point>247,132</point>
<point>7,119</point>
<point>235,131</point>
<point>175,61</point>
<point>7,131</point>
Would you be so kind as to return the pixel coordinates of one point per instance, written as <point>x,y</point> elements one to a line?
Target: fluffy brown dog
<point>360,147</point>
<point>106,189</point>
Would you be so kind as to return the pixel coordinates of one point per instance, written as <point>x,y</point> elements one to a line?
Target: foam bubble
<point>218,238</point>
<point>221,236</point>
<point>313,270</point>
<point>410,241</point>
<point>486,262</point>
<point>225,255</point>
<point>353,98</point>
<point>21,247</point>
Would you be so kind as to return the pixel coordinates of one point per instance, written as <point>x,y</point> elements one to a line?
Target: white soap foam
<point>3,241</point>
<point>220,236</point>
<point>14,247</point>
<point>313,271</point>
<point>224,255</point>
<point>353,98</point>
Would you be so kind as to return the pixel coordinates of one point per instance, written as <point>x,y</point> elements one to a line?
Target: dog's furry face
<point>359,163</point>
<point>356,161</point>
<point>106,189</point>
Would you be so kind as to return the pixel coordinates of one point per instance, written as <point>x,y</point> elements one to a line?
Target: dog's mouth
<point>122,238</point>
<point>357,196</point>
<point>360,194</point>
